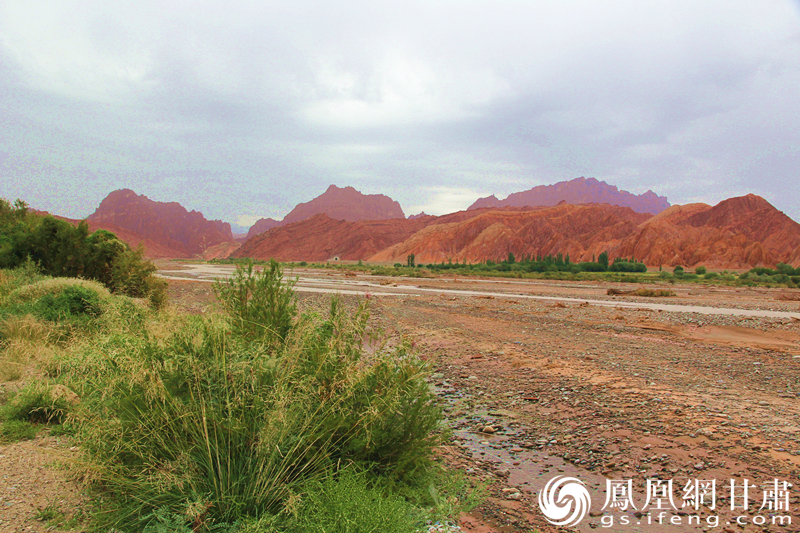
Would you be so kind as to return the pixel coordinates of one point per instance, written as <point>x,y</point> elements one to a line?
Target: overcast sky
<point>243,109</point>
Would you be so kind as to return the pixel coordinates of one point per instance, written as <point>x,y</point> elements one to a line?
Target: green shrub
<point>73,301</point>
<point>227,420</point>
<point>701,270</point>
<point>134,276</point>
<point>678,271</point>
<point>53,287</point>
<point>62,249</point>
<point>259,304</point>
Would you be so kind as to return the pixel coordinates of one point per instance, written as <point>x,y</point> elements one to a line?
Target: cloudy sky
<point>243,109</point>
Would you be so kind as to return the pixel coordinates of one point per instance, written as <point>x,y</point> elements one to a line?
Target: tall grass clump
<point>257,304</point>
<point>243,417</point>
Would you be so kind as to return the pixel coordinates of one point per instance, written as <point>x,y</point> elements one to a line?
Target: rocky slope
<point>166,224</point>
<point>578,191</point>
<point>320,238</point>
<point>737,233</point>
<point>577,230</point>
<point>346,204</point>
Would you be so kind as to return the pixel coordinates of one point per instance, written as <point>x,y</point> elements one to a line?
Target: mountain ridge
<point>578,191</point>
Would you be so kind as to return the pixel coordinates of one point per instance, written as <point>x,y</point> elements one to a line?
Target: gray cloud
<point>244,110</point>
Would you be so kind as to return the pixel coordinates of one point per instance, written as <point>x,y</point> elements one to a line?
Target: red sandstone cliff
<point>169,225</point>
<point>578,191</point>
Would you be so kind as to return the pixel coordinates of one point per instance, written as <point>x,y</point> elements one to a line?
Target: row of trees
<point>546,263</point>
<point>65,250</point>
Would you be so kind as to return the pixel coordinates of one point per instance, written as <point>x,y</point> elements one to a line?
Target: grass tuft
<point>16,430</point>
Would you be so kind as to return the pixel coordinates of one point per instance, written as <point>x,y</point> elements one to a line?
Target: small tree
<point>700,270</point>
<point>678,271</point>
<point>511,258</point>
<point>410,260</point>
<point>603,260</point>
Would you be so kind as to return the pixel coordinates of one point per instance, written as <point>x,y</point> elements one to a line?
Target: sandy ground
<point>535,388</point>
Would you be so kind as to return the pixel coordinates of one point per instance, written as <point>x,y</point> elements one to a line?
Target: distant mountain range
<point>344,224</point>
<point>576,192</point>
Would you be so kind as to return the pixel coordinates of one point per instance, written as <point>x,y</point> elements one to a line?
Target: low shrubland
<point>260,418</point>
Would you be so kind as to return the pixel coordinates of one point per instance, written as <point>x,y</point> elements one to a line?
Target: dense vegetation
<point>61,249</point>
<point>256,419</point>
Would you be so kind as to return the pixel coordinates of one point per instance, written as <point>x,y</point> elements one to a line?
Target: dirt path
<point>35,492</point>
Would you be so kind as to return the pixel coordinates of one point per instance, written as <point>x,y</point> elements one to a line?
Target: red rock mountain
<point>262,225</point>
<point>320,238</point>
<point>167,225</point>
<point>577,230</point>
<point>737,233</point>
<point>346,204</point>
<point>578,191</point>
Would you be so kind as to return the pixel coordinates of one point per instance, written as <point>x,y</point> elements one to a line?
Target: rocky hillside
<point>737,233</point>
<point>320,238</point>
<point>168,225</point>
<point>577,230</point>
<point>578,191</point>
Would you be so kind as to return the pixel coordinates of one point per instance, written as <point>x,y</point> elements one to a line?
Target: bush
<point>678,271</point>
<point>134,276</point>
<point>72,302</point>
<point>258,303</point>
<point>591,267</point>
<point>61,249</point>
<point>701,270</point>
<point>627,266</point>
<point>229,420</point>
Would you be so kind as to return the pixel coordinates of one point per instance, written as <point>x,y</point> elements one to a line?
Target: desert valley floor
<point>546,378</point>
